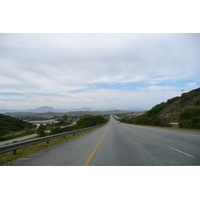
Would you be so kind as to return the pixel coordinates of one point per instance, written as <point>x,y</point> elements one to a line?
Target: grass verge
<point>7,158</point>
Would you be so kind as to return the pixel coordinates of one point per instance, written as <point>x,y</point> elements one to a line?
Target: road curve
<point>122,145</point>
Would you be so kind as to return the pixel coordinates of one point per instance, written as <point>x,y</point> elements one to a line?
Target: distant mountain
<point>110,109</point>
<point>114,109</point>
<point>45,109</point>
<point>135,108</point>
<point>5,111</point>
<point>81,109</point>
<point>42,109</point>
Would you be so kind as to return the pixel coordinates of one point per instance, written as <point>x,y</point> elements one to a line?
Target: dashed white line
<point>181,152</point>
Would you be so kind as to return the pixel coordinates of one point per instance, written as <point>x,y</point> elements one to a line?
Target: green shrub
<point>29,132</point>
<point>6,137</point>
<point>88,121</point>
<point>146,120</point>
<point>61,122</point>
<point>197,103</point>
<point>184,98</point>
<point>156,109</point>
<point>190,118</point>
<point>41,133</point>
<point>189,113</point>
<point>55,130</point>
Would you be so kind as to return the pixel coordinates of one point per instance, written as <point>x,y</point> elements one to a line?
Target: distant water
<point>44,122</point>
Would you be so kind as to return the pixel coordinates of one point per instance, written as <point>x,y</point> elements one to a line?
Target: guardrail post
<point>48,140</point>
<point>15,152</point>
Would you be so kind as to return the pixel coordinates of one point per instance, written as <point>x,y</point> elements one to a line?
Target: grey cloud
<point>49,63</point>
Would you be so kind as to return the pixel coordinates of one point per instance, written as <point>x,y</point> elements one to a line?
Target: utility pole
<point>182,91</point>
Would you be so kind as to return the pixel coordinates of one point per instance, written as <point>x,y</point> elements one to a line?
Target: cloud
<point>76,68</point>
<point>96,98</point>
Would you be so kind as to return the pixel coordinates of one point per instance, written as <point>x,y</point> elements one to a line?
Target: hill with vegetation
<point>173,107</point>
<point>184,109</point>
<point>10,125</point>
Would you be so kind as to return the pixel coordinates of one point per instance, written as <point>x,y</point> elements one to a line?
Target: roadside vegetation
<point>11,127</point>
<point>184,110</point>
<point>190,118</point>
<point>83,122</point>
<point>88,121</point>
<point>52,129</point>
<point>150,118</point>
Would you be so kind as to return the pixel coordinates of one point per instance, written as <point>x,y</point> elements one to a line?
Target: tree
<point>55,130</point>
<point>88,121</point>
<point>41,127</point>
<point>65,117</point>
<point>190,118</point>
<point>41,131</point>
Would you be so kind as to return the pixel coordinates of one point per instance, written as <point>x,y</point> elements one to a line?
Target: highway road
<point>18,139</point>
<point>122,145</point>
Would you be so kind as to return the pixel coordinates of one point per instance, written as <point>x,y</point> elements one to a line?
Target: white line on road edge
<point>181,152</point>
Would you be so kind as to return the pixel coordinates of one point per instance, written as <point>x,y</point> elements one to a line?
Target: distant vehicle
<point>119,122</point>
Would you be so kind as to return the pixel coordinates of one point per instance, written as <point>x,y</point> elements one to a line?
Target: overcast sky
<point>99,71</point>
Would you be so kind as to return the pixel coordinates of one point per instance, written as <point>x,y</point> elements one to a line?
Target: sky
<point>100,71</point>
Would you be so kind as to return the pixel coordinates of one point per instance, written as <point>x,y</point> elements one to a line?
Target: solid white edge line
<point>181,152</point>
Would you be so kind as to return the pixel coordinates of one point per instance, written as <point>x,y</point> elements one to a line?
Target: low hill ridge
<point>184,109</point>
<point>173,107</point>
<point>10,124</point>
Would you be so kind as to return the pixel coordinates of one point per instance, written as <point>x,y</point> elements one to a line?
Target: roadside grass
<point>7,158</point>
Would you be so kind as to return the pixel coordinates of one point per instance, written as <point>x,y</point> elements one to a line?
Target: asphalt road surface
<point>122,145</point>
<point>18,139</point>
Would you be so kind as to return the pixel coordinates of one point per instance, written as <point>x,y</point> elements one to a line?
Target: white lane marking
<point>181,152</point>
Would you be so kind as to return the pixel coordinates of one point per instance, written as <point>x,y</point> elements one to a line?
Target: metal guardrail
<point>19,145</point>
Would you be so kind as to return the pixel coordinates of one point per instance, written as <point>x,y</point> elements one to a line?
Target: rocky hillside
<point>184,109</point>
<point>173,107</point>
